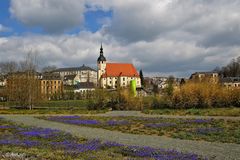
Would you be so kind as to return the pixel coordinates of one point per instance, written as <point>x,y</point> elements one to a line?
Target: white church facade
<point>114,75</point>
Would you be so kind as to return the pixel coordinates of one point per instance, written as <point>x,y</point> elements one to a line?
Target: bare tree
<point>232,69</point>
<point>23,87</point>
<point>8,67</point>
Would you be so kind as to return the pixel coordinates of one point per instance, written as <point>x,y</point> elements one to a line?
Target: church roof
<point>120,69</point>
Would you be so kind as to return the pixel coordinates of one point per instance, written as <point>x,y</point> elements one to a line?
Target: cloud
<point>159,36</point>
<point>54,16</point>
<point>4,29</point>
<point>207,20</point>
<point>161,56</point>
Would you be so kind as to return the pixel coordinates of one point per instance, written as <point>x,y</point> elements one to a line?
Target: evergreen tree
<point>142,78</point>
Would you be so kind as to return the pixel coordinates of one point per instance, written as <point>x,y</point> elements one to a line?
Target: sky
<point>161,37</point>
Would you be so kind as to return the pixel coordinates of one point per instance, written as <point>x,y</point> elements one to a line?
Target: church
<point>114,75</point>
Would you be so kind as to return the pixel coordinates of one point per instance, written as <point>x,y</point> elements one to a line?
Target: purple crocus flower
<point>160,125</point>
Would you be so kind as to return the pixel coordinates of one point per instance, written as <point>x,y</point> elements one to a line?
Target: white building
<point>84,73</point>
<point>113,75</point>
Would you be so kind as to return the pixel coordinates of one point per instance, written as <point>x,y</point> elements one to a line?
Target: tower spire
<point>101,57</point>
<point>101,49</point>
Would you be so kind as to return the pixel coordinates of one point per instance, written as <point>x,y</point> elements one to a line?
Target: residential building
<point>3,80</point>
<point>84,87</point>
<point>71,79</point>
<point>51,84</point>
<point>205,76</point>
<point>231,82</point>
<point>113,75</point>
<point>84,73</point>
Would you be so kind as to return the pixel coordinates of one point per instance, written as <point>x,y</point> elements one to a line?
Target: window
<point>123,83</point>
<point>110,82</point>
<point>123,79</point>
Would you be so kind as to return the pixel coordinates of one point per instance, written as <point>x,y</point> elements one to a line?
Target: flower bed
<point>193,129</point>
<point>43,143</point>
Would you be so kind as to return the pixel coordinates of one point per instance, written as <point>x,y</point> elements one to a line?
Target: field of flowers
<point>21,142</point>
<point>227,131</point>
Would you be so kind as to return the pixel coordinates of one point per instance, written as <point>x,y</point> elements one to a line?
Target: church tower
<point>101,63</point>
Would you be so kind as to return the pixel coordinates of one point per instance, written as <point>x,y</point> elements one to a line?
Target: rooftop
<point>120,69</point>
<point>82,68</point>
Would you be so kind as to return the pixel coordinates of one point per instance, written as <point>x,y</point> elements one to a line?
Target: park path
<point>218,151</point>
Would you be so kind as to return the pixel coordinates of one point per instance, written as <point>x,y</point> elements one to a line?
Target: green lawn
<point>80,104</point>
<point>200,112</point>
<point>227,131</point>
<point>53,107</point>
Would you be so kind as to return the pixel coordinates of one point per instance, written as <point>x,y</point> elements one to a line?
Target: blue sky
<point>161,37</point>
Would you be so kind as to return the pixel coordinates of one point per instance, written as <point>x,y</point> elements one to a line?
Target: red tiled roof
<point>120,69</point>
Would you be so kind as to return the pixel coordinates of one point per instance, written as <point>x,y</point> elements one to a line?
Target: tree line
<point>232,69</point>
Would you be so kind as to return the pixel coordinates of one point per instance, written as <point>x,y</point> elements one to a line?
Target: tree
<point>169,89</point>
<point>8,67</point>
<point>155,89</point>
<point>232,69</point>
<point>182,82</point>
<point>142,78</point>
<point>23,87</point>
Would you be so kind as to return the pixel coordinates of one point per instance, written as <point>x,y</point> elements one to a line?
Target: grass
<point>53,107</point>
<point>50,111</point>
<point>200,112</point>
<point>226,131</point>
<point>22,142</point>
<point>80,104</point>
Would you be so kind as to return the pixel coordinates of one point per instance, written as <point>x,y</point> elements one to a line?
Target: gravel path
<point>218,151</point>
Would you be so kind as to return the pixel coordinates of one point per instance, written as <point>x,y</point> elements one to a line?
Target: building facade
<point>212,77</point>
<point>230,82</point>
<point>83,73</point>
<point>114,75</point>
<point>51,85</point>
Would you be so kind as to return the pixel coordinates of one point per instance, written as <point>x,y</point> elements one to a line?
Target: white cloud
<point>52,15</point>
<point>159,36</point>
<point>4,29</point>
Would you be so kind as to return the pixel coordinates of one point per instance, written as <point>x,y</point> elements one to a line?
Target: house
<point>84,73</point>
<point>230,82</point>
<point>51,84</point>
<point>114,75</point>
<point>205,76</point>
<point>84,87</point>
<point>71,79</point>
<point>3,81</point>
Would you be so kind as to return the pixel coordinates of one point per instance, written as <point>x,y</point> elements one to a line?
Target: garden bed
<point>21,142</point>
<point>212,130</point>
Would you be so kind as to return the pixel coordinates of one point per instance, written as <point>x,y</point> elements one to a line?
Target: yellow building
<point>212,77</point>
<point>51,85</point>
